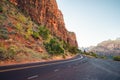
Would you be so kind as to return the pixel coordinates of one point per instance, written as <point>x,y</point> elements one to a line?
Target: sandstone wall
<point>46,12</point>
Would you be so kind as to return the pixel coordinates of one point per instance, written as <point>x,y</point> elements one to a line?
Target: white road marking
<point>40,65</point>
<point>32,77</point>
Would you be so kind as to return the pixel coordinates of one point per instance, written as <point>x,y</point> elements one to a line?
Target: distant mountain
<point>109,47</point>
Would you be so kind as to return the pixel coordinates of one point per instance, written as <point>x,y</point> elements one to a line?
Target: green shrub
<point>65,45</point>
<point>79,51</point>
<point>28,33</point>
<point>35,35</point>
<point>21,18</point>
<point>3,33</point>
<point>3,17</point>
<point>44,32</point>
<point>19,27</point>
<point>73,50</point>
<point>103,57</point>
<point>9,53</point>
<point>116,58</point>
<point>94,54</point>
<point>2,53</point>
<point>54,48</point>
<point>1,9</point>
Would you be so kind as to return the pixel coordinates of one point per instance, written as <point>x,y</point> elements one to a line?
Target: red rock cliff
<point>46,12</point>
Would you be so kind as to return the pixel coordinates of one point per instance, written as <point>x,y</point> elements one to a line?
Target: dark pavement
<point>72,69</point>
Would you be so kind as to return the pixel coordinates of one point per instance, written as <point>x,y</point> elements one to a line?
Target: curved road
<point>77,68</point>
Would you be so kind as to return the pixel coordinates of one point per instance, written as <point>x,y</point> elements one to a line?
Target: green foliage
<point>29,32</point>
<point>116,58</point>
<point>103,57</point>
<point>11,52</point>
<point>19,27</point>
<point>79,51</point>
<point>3,17</point>
<point>54,48</point>
<point>94,54</point>
<point>2,53</point>
<point>3,33</point>
<point>8,53</point>
<point>65,45</point>
<point>1,9</point>
<point>44,32</point>
<point>35,34</point>
<point>21,18</point>
<point>73,50</point>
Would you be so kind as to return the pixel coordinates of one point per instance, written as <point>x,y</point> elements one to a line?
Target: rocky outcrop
<point>46,12</point>
<point>72,38</point>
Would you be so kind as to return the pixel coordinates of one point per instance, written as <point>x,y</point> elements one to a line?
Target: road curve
<point>78,68</point>
<point>34,65</point>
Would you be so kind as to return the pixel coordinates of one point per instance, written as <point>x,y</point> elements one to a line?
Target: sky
<point>93,21</point>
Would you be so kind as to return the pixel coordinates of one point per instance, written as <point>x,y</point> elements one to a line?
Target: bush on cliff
<point>44,32</point>
<point>9,53</point>
<point>35,35</point>
<point>2,53</point>
<point>54,48</point>
<point>73,50</point>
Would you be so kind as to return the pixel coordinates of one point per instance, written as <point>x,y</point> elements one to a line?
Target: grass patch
<point>116,58</point>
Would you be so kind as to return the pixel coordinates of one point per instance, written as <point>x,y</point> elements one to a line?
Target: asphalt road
<point>73,69</point>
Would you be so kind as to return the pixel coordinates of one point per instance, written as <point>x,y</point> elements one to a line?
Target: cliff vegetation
<point>33,30</point>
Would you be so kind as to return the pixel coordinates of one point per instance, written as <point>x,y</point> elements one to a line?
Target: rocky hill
<point>33,30</point>
<point>46,12</point>
<point>109,47</point>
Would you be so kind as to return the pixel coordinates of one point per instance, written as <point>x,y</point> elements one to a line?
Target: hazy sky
<point>93,21</point>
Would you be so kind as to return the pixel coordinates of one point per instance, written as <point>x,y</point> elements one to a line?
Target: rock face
<point>72,38</point>
<point>46,12</point>
<point>109,47</point>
